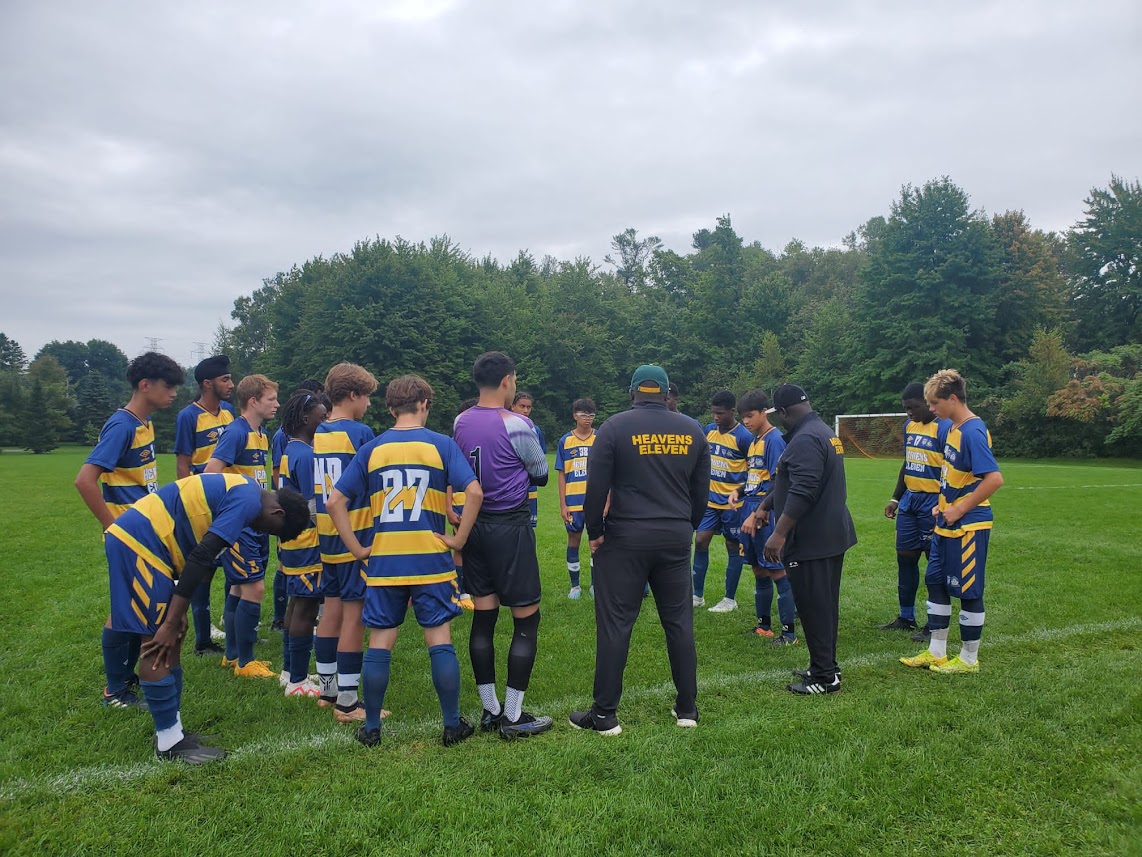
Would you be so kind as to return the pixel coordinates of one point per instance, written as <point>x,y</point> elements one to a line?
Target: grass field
<point>1038,754</point>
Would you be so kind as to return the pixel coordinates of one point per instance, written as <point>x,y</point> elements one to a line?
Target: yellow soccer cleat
<point>255,669</point>
<point>466,603</point>
<point>955,665</point>
<point>226,662</point>
<point>923,660</point>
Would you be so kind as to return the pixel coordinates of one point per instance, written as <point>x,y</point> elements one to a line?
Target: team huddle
<point>362,524</point>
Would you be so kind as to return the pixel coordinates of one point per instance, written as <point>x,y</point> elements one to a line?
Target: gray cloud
<point>159,160</point>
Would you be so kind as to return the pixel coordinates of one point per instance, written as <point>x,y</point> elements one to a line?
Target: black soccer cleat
<point>810,687</point>
<point>209,648</point>
<point>125,698</point>
<point>455,734</point>
<point>924,635</point>
<point>525,727</point>
<point>191,751</point>
<point>368,737</point>
<point>899,624</point>
<point>277,625</point>
<point>604,724</point>
<point>804,674</point>
<point>490,722</point>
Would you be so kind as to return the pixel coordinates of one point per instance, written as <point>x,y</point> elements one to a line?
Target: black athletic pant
<point>816,585</point>
<point>620,575</point>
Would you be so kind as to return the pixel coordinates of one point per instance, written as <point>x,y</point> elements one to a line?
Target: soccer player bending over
<point>159,552</point>
<point>300,558</point>
<point>244,449</point>
<point>403,477</point>
<point>762,464</point>
<point>571,464</point>
<point>963,527</point>
<point>121,470</point>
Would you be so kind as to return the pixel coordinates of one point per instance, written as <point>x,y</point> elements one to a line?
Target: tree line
<point>1044,325</point>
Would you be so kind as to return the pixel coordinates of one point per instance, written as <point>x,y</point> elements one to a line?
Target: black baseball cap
<point>786,396</point>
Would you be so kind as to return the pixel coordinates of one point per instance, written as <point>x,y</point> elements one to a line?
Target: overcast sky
<point>159,159</point>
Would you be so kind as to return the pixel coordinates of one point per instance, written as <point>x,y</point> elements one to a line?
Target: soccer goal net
<point>871,435</point>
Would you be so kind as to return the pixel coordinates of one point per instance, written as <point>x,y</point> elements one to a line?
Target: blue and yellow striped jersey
<point>164,527</point>
<point>762,464</point>
<point>402,477</point>
<point>277,448</point>
<point>335,444</point>
<point>196,432</point>
<point>244,451</point>
<point>303,554</point>
<point>967,458</point>
<point>728,465</point>
<point>126,454</point>
<point>571,457</point>
<point>924,454</point>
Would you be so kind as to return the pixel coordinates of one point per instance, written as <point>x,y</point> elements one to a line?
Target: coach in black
<point>813,531</point>
<point>655,467</point>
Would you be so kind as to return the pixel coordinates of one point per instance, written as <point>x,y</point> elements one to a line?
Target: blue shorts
<point>752,548</point>
<point>915,522</point>
<point>344,580</point>
<point>728,521</point>
<point>140,592</point>
<point>306,585</point>
<point>433,604</point>
<point>245,561</point>
<point>958,563</point>
<point>577,523</point>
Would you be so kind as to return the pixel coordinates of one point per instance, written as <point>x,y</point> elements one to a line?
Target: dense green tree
<point>12,358</point>
<point>630,256</point>
<point>48,418</point>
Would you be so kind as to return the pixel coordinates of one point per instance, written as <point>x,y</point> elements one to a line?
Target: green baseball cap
<point>649,379</point>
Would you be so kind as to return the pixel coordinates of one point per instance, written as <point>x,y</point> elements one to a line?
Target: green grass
<point>1037,754</point>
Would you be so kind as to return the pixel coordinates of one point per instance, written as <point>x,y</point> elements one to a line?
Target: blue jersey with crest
<point>335,444</point>
<point>571,458</point>
<point>762,464</point>
<point>126,454</point>
<point>924,454</point>
<point>303,554</point>
<point>728,466</point>
<point>967,458</point>
<point>196,432</point>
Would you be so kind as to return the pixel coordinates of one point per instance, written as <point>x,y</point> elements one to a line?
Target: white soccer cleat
<point>217,634</point>
<point>575,593</point>
<point>699,601</point>
<point>726,605</point>
<point>303,688</point>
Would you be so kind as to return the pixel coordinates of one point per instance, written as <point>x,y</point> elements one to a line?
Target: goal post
<point>871,435</point>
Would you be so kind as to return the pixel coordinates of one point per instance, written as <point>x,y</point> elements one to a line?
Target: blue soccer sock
<point>971,629</point>
<point>228,614</point>
<point>286,657</point>
<point>762,600</point>
<point>116,659</point>
<point>246,618</point>
<point>133,647</point>
<point>200,611</point>
<point>325,656</point>
<point>374,682</point>
<point>573,564</point>
<point>907,583</point>
<point>281,600</point>
<point>163,699</point>
<point>348,678</point>
<point>786,609</point>
<point>446,679</point>
<point>177,673</point>
<point>733,570</point>
<point>701,565</point>
<point>299,650</point>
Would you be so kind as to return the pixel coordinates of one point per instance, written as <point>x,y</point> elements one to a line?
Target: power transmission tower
<point>199,352</point>
<point>153,343</point>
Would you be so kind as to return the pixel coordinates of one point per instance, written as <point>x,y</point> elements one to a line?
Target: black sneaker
<point>784,640</point>
<point>809,687</point>
<point>924,635</point>
<point>209,648</point>
<point>277,625</point>
<point>604,724</point>
<point>191,751</point>
<point>126,698</point>
<point>458,733</point>
<point>900,624</point>
<point>804,674</point>
<point>525,727</point>
<point>490,722</point>
<point>368,737</point>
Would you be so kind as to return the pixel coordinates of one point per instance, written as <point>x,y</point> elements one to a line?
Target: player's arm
<point>182,466</point>
<point>198,569</point>
<point>564,512</point>
<point>227,450</point>
<point>183,446</point>
<point>450,508</point>
<point>527,447</point>
<point>989,483</point>
<point>87,484</point>
<point>897,493</point>
<point>337,506</point>
<point>215,465</point>
<point>804,468</point>
<point>473,500</point>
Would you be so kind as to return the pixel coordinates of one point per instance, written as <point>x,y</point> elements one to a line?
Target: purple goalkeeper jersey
<point>504,452</point>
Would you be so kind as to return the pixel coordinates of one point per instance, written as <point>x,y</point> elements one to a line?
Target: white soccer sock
<point>513,704</point>
<point>939,644</point>
<point>167,738</point>
<point>488,697</point>
<point>969,651</point>
<point>573,566</point>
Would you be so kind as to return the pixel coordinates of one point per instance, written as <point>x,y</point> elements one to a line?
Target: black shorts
<point>499,558</point>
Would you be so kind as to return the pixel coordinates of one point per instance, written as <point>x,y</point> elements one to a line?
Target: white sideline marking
<point>103,775</point>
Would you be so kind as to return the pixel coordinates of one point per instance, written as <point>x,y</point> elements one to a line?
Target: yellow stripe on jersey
<point>405,454</point>
<point>411,579</point>
<point>388,542</point>
<point>137,547</point>
<point>332,443</point>
<point>359,519</point>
